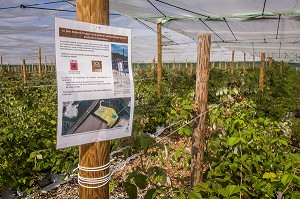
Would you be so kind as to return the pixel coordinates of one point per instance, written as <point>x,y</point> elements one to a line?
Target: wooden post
<point>159,60</point>
<point>51,66</point>
<point>270,62</point>
<point>45,66</point>
<point>213,65</point>
<point>191,68</point>
<point>244,64</point>
<point>24,71</point>
<point>39,62</point>
<point>202,76</point>
<point>261,76</point>
<point>232,62</point>
<point>225,66</point>
<point>237,66</point>
<point>173,62</point>
<point>253,63</point>
<point>281,63</point>
<point>94,154</point>
<point>1,66</point>
<point>186,64</point>
<point>153,68</point>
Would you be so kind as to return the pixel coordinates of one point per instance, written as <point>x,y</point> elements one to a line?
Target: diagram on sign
<point>92,115</point>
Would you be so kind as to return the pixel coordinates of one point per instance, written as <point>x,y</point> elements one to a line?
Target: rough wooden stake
<point>232,62</point>
<point>95,154</point>
<point>45,66</point>
<point>262,71</point>
<point>202,76</point>
<point>253,63</point>
<point>244,64</point>
<point>1,66</point>
<point>39,62</point>
<point>270,62</point>
<point>159,60</point>
<point>213,65</point>
<point>24,71</point>
<point>153,68</point>
<point>191,68</point>
<point>281,63</point>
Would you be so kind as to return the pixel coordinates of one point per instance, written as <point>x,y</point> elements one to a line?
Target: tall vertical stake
<point>262,72</point>
<point>159,60</point>
<point>39,62</point>
<point>94,154</point>
<point>24,71</point>
<point>270,62</point>
<point>244,64</point>
<point>281,63</point>
<point>45,66</point>
<point>232,62</point>
<point>202,76</point>
<point>253,63</point>
<point>153,68</point>
<point>1,66</point>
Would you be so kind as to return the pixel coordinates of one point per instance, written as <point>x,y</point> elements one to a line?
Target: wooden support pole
<point>213,65</point>
<point>45,66</point>
<point>281,63</point>
<point>94,154</point>
<point>232,62</point>
<point>24,71</point>
<point>202,76</point>
<point>39,62</point>
<point>270,62</point>
<point>253,63</point>
<point>159,60</point>
<point>153,68</point>
<point>262,72</point>
<point>244,64</point>
<point>1,66</point>
<point>186,64</point>
<point>225,66</point>
<point>191,68</point>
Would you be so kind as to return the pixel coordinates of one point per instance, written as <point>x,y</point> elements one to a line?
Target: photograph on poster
<point>120,66</point>
<point>93,115</point>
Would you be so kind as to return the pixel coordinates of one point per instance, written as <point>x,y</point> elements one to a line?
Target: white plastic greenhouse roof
<point>250,26</point>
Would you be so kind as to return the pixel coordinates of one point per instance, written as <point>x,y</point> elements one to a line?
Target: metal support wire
<point>153,30</point>
<point>230,29</point>
<point>278,25</point>
<point>180,8</point>
<point>156,8</point>
<point>211,30</point>
<point>263,12</point>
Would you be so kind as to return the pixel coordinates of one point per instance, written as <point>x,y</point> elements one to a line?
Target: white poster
<point>95,82</point>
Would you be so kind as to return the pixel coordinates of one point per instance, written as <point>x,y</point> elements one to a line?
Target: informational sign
<point>95,82</point>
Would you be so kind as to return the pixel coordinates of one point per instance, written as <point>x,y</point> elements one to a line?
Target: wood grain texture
<point>1,64</point>
<point>24,71</point>
<point>202,76</point>
<point>159,60</point>
<point>94,154</point>
<point>232,62</point>
<point>39,62</point>
<point>244,64</point>
<point>253,63</point>
<point>262,72</point>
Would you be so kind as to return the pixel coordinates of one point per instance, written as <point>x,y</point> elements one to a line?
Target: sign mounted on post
<point>95,82</point>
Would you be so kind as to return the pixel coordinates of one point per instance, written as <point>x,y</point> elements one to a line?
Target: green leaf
<point>233,140</point>
<point>286,178</point>
<point>285,143</point>
<point>269,175</point>
<point>187,107</point>
<point>223,192</point>
<point>131,190</point>
<point>141,181</point>
<point>151,194</point>
<point>194,195</point>
<point>232,189</point>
